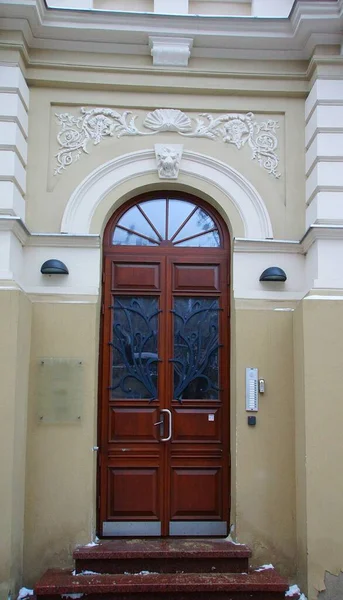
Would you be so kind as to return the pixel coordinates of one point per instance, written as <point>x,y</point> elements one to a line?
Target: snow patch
<point>24,593</point>
<point>142,573</point>
<point>88,573</point>
<point>229,539</point>
<point>73,596</point>
<point>293,590</point>
<point>91,544</point>
<point>264,568</point>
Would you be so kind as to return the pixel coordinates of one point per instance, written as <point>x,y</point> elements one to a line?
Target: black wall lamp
<point>273,274</point>
<point>54,267</point>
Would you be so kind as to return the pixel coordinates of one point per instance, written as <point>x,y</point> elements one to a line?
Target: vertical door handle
<point>166,410</point>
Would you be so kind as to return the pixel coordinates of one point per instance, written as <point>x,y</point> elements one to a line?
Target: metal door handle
<point>166,410</point>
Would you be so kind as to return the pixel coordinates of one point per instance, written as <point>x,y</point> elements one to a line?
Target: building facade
<point>220,127</point>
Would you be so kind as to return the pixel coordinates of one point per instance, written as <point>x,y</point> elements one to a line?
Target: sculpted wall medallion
<point>168,160</point>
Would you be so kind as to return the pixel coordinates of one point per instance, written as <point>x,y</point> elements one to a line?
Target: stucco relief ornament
<point>168,160</point>
<point>96,124</point>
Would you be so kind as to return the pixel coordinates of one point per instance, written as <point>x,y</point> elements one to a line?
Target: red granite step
<point>263,585</point>
<point>163,556</point>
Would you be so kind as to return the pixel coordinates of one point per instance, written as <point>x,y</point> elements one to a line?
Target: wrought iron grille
<point>196,348</point>
<point>134,347</point>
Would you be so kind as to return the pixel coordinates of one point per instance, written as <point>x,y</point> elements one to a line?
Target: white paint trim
<point>322,91</point>
<point>12,80</point>
<point>12,139</point>
<point>12,109</point>
<point>94,188</point>
<point>12,201</point>
<point>11,169</point>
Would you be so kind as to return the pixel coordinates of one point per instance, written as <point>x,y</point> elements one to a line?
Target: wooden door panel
<point>135,276</point>
<point>198,455</point>
<point>196,493</point>
<point>194,425</point>
<point>131,455</point>
<point>133,424</point>
<point>133,493</point>
<point>196,277</point>
<point>149,486</point>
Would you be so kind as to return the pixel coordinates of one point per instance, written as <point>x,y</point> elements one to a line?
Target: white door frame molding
<point>86,198</point>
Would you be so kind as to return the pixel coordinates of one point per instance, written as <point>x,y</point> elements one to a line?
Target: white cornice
<point>16,226</point>
<point>64,240</point>
<point>315,232</point>
<point>320,232</point>
<point>55,240</point>
<point>271,246</point>
<point>267,246</point>
<point>310,24</point>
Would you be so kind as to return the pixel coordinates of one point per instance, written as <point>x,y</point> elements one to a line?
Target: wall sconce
<point>273,274</point>
<point>54,267</point>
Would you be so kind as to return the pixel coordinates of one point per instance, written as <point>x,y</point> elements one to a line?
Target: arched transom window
<point>166,221</point>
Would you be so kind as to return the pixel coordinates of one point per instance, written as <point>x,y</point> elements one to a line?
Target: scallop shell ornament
<point>168,119</point>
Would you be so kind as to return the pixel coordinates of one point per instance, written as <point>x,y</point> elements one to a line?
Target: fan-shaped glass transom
<point>179,222</point>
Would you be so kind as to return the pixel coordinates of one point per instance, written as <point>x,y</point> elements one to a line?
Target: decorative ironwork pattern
<point>196,349</point>
<point>134,348</point>
<point>231,128</point>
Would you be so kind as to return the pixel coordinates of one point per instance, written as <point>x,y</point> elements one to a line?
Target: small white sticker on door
<point>211,417</point>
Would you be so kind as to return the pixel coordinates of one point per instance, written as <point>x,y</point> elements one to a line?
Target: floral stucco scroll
<point>95,124</point>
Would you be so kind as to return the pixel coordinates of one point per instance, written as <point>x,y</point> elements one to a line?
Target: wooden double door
<point>164,397</point>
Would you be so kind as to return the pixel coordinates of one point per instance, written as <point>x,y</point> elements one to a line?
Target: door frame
<point>108,249</point>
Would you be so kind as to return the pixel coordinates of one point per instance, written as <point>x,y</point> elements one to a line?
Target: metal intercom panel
<point>251,389</point>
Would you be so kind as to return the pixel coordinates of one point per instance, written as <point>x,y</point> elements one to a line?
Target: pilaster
<point>318,332</point>
<point>324,143</point>
<point>14,105</point>
<point>318,347</point>
<point>15,323</point>
<point>324,167</point>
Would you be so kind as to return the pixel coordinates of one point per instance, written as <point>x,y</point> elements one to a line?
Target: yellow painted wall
<point>319,466</point>
<point>61,466</point>
<point>15,333</point>
<point>265,486</point>
<point>60,499</point>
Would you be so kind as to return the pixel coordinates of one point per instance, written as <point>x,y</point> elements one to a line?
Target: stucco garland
<point>231,128</point>
<point>97,185</point>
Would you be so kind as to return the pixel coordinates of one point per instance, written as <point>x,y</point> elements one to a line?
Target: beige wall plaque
<point>59,390</point>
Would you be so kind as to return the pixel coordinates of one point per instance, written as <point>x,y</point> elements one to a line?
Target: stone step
<point>163,556</point>
<point>263,585</point>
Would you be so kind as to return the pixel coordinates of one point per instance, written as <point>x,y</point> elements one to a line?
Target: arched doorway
<point>164,370</point>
